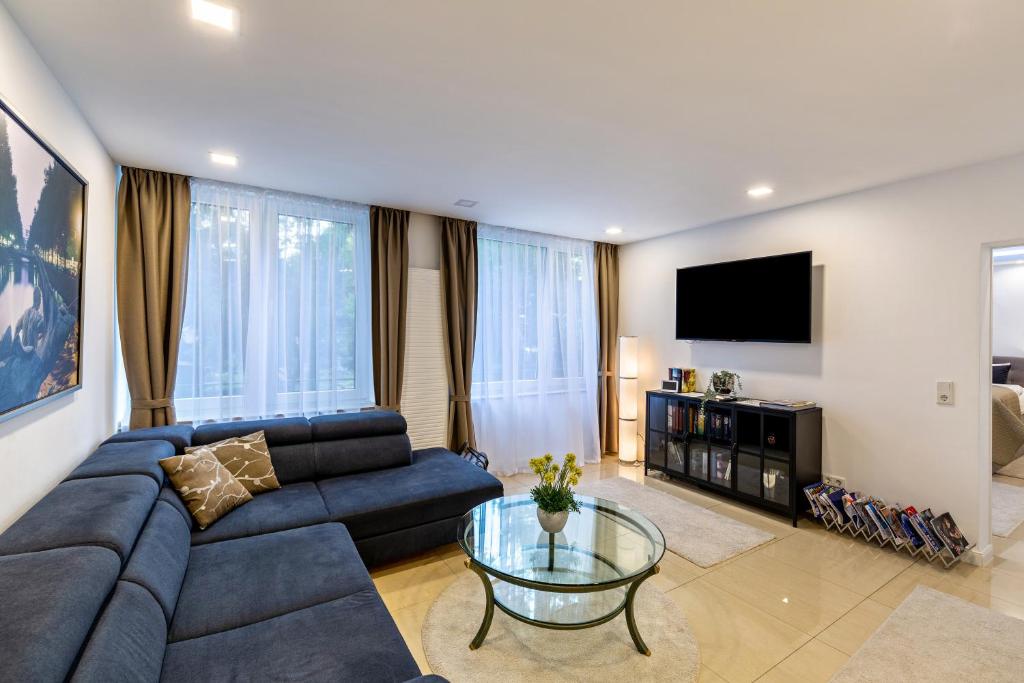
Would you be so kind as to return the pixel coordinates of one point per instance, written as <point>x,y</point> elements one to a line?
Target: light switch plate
<point>944,393</point>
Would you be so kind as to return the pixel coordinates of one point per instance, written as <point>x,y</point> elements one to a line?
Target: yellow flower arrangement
<point>554,492</point>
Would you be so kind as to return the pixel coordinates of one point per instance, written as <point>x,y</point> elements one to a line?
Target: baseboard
<point>979,556</point>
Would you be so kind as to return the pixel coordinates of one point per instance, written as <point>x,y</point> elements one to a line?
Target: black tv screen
<point>760,299</point>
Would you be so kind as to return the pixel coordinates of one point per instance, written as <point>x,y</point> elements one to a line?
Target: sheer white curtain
<point>535,362</point>
<point>277,311</point>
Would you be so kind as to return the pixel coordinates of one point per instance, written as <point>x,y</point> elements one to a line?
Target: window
<point>535,358</point>
<point>277,311</point>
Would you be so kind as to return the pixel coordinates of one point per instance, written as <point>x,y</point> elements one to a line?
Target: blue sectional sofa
<point>106,578</point>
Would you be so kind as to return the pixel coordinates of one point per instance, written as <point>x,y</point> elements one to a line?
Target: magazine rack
<point>947,558</point>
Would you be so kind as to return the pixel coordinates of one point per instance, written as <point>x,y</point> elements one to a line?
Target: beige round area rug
<point>514,651</point>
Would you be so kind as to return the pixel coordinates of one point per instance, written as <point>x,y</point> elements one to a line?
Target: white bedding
<point>1017,389</point>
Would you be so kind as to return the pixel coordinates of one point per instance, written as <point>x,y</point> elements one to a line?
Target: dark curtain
<point>389,255</point>
<point>458,289</point>
<point>606,271</point>
<point>153,210</point>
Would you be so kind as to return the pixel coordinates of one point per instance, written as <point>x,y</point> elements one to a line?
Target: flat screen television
<point>764,299</point>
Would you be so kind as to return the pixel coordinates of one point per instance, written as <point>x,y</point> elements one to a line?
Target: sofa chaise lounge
<point>107,579</point>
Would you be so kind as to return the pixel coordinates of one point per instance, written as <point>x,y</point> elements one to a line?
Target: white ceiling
<point>564,117</point>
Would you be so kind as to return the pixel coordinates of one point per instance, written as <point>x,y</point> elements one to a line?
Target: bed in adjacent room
<point>1008,415</point>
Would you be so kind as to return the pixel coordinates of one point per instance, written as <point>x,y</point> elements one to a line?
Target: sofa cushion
<point>246,580</point>
<point>247,458</point>
<point>355,425</point>
<point>160,557</point>
<point>207,488</point>
<point>438,485</point>
<point>101,511</point>
<point>362,454</point>
<point>179,436</point>
<point>289,440</point>
<point>171,497</point>
<point>48,602</point>
<point>289,507</point>
<point>125,458</point>
<point>129,640</point>
<point>349,639</point>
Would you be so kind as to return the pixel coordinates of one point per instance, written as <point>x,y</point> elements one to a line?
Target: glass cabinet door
<point>656,450</point>
<point>721,466</point>
<point>748,474</point>
<point>675,451</point>
<point>776,480</point>
<point>697,455</point>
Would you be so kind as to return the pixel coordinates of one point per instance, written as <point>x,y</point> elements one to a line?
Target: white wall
<point>898,305</point>
<point>38,448</point>
<point>1008,309</point>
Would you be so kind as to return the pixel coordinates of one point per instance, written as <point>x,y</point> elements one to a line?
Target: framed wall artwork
<point>42,243</point>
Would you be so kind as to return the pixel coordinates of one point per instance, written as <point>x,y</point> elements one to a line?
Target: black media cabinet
<point>758,455</point>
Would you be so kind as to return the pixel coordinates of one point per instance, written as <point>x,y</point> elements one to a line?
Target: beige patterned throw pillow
<point>248,459</point>
<point>208,489</point>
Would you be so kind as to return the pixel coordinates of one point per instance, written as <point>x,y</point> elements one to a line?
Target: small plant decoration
<point>554,492</point>
<point>721,382</point>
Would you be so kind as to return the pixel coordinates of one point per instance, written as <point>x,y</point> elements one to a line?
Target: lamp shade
<point>628,357</point>
<point>628,398</point>
<point>627,441</point>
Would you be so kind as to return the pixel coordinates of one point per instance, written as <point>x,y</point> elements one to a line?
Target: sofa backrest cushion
<point>102,511</point>
<point>179,436</point>
<point>289,440</point>
<point>348,443</point>
<point>141,457</point>
<point>349,456</point>
<point>160,557</point>
<point>49,601</point>
<point>129,640</point>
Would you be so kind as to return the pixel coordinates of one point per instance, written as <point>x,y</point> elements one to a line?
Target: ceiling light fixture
<point>224,159</point>
<point>468,203</point>
<point>215,15</point>
<point>613,230</point>
<point>759,191</point>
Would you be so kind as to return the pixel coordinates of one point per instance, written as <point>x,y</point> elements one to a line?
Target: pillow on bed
<point>1000,373</point>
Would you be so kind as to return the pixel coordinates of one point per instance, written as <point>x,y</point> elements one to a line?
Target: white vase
<point>552,522</point>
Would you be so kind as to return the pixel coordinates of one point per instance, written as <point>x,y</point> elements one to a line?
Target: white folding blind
<point>425,386</point>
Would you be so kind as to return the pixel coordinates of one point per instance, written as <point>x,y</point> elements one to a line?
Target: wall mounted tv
<point>764,299</point>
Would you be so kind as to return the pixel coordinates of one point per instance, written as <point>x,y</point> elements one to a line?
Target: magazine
<point>949,533</point>
<point>922,524</point>
<point>908,529</point>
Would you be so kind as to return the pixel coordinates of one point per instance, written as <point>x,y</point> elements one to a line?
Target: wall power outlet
<point>835,480</point>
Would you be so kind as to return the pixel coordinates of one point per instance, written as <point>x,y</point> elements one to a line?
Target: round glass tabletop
<point>603,543</point>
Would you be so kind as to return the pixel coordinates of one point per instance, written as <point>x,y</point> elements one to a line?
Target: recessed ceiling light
<point>613,230</point>
<point>215,15</point>
<point>224,159</point>
<point>759,191</point>
<point>468,203</point>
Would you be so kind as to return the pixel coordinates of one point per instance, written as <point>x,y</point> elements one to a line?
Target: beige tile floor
<point>794,609</point>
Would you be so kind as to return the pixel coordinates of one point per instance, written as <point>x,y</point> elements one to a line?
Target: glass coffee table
<point>583,576</point>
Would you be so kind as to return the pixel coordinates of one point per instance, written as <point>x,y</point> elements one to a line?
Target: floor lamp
<point>629,379</point>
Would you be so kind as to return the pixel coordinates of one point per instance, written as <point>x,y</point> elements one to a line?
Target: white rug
<point>701,536</point>
<point>514,651</point>
<point>933,636</point>
<point>1007,508</point>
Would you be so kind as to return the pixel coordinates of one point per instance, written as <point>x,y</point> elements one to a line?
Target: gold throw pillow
<point>208,489</point>
<point>248,459</point>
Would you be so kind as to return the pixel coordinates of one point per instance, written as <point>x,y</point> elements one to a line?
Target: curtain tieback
<point>460,398</point>
<point>152,403</point>
<point>605,373</point>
